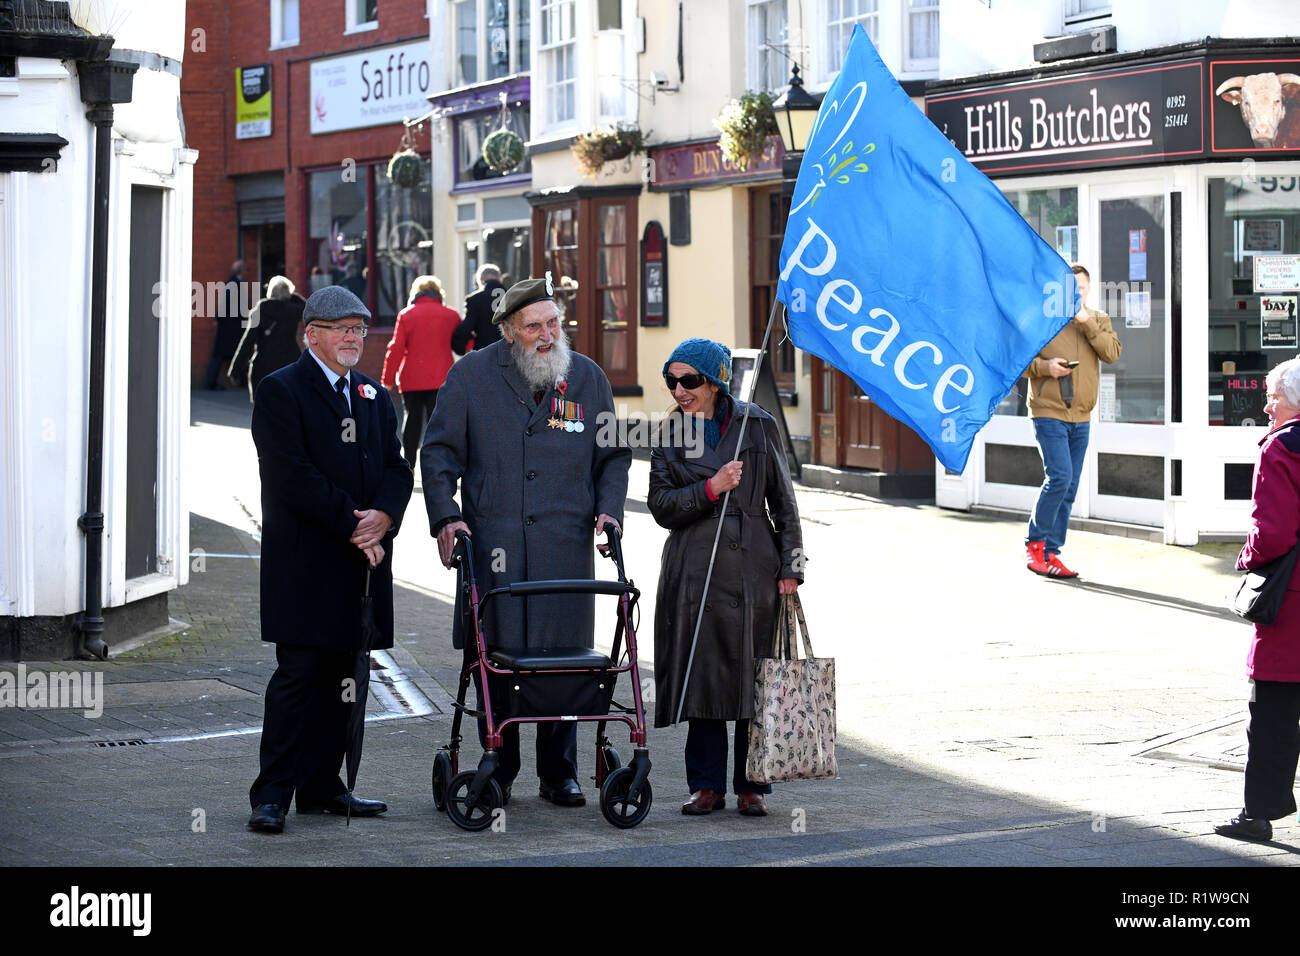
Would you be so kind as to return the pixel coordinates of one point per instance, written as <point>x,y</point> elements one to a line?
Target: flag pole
<point>717,535</point>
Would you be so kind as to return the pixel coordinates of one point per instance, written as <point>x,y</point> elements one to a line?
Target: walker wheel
<point>615,803</point>
<point>442,775</point>
<point>480,815</point>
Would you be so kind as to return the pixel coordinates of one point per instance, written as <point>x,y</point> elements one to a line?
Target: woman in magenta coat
<point>1273,663</point>
<point>419,358</point>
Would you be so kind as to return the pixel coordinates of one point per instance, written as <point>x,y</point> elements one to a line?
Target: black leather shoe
<point>1246,828</point>
<point>339,804</point>
<point>566,793</point>
<point>505,794</point>
<point>268,818</point>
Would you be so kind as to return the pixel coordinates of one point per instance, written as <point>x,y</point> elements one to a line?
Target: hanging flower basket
<point>406,169</point>
<point>745,125</point>
<point>593,150</point>
<point>503,150</point>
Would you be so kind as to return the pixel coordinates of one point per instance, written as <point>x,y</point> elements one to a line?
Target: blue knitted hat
<point>711,359</point>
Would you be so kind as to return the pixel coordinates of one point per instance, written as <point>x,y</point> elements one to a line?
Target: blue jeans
<point>1063,446</point>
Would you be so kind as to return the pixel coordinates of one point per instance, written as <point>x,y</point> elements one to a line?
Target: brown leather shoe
<point>753,805</point>
<point>703,802</point>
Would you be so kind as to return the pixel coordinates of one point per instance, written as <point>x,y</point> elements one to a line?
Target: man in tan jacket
<point>1063,382</point>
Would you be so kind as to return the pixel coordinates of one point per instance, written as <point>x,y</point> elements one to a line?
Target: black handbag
<point>1261,592</point>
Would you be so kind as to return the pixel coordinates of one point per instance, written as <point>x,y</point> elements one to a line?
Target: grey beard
<point>539,371</point>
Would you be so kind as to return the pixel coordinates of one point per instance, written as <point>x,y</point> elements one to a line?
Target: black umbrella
<point>356,726</point>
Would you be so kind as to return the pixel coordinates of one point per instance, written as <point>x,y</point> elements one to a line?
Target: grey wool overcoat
<point>529,491</point>
<point>761,543</point>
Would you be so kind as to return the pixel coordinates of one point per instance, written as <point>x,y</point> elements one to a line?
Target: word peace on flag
<point>905,268</point>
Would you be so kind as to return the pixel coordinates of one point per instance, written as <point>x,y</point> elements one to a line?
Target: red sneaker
<point>1057,569</point>
<point>1035,560</point>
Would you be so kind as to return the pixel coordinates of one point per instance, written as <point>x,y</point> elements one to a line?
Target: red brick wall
<point>238,33</point>
<point>206,86</point>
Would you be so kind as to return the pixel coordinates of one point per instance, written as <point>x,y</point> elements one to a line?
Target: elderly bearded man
<point>334,489</point>
<point>516,426</point>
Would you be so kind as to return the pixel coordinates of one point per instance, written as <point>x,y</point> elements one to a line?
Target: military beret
<point>522,293</point>
<point>333,303</point>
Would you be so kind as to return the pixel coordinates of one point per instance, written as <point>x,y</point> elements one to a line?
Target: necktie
<point>342,386</point>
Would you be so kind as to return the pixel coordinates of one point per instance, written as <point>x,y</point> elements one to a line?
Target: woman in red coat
<point>1273,736</point>
<point>419,357</point>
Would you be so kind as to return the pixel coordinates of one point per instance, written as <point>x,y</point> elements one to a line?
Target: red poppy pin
<point>366,390</point>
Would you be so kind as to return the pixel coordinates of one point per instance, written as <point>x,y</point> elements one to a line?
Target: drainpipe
<point>103,83</point>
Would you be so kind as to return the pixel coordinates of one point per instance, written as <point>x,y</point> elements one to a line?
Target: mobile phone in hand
<point>1071,364</point>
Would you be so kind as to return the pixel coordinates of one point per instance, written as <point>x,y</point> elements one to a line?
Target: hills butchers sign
<point>373,87</point>
<point>1111,117</point>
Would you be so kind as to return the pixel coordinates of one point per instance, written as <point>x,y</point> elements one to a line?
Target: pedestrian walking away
<point>271,340</point>
<point>334,489</point>
<point>759,557</point>
<point>517,429</point>
<point>479,329</point>
<point>1063,386</point>
<point>1273,662</point>
<point>418,358</point>
<point>230,323</point>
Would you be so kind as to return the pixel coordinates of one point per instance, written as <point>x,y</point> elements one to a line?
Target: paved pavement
<point>986,716</point>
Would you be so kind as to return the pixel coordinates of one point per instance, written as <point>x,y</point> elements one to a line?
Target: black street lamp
<point>796,112</point>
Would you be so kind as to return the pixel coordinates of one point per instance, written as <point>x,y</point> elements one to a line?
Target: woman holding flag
<point>759,556</point>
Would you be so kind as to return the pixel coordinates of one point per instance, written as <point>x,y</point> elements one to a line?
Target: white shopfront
<point>1180,246</point>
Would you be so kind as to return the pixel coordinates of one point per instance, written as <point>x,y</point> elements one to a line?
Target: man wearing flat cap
<point>334,489</point>
<point>516,426</point>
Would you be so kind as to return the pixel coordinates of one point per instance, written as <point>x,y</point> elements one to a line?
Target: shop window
<point>374,250</point>
<point>1085,11</point>
<point>1054,215</point>
<point>921,36</point>
<point>615,64</point>
<point>490,39</point>
<point>284,23</point>
<point>590,249</point>
<point>557,61</point>
<point>1129,285</point>
<point>841,17</point>
<point>765,27</point>
<point>466,19</point>
<point>1251,217</point>
<point>506,247</point>
<point>362,15</point>
<point>472,130</point>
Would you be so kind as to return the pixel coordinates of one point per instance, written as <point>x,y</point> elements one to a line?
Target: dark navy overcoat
<point>319,462</point>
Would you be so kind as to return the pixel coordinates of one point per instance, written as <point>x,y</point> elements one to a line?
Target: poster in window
<point>1277,322</point>
<point>1106,397</point>
<point>1276,273</point>
<point>1261,235</point>
<point>1137,255</point>
<point>1137,310</point>
<point>253,101</point>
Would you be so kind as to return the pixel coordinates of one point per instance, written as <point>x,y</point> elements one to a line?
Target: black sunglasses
<point>694,380</point>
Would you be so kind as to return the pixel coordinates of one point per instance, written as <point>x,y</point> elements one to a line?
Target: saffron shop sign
<point>1135,114</point>
<point>373,87</point>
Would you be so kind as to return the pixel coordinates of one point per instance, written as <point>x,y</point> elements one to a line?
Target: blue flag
<point>904,267</point>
